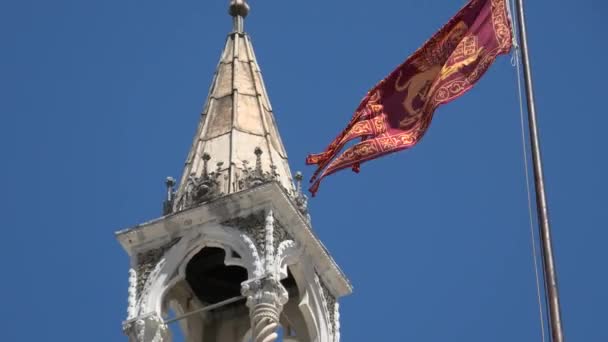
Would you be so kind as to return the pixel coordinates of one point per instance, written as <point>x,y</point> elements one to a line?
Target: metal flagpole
<point>557,333</point>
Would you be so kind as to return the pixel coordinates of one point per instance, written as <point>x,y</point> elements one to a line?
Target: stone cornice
<point>269,196</point>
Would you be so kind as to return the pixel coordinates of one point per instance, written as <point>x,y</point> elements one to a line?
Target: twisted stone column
<point>264,323</point>
<point>265,299</point>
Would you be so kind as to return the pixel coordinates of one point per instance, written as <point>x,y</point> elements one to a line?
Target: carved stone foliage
<point>267,290</point>
<point>254,176</point>
<point>204,188</point>
<point>265,293</point>
<point>147,261</point>
<point>265,299</point>
<point>253,225</point>
<point>330,302</point>
<point>279,234</point>
<point>132,299</point>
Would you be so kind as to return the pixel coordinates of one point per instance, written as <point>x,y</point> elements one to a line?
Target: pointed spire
<point>237,118</point>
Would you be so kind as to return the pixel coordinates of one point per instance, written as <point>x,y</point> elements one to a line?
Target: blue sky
<point>99,101</point>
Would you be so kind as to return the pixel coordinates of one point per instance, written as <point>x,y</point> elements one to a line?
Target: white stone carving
<point>132,299</point>
<point>269,243</point>
<point>262,246</point>
<point>172,266</point>
<point>265,299</point>
<point>266,295</point>
<point>287,253</point>
<point>238,209</point>
<point>327,305</point>
<point>258,267</point>
<point>337,322</point>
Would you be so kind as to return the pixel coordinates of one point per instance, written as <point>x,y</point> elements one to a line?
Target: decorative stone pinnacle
<point>300,197</point>
<point>168,203</point>
<point>238,8</point>
<point>170,182</point>
<point>299,176</point>
<point>258,160</point>
<point>201,189</point>
<point>206,158</point>
<point>254,176</point>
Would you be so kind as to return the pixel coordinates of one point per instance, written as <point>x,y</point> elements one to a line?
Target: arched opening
<point>293,325</point>
<point>210,279</point>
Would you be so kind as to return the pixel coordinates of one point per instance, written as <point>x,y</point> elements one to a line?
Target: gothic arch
<point>288,253</point>
<point>171,268</point>
<point>312,305</point>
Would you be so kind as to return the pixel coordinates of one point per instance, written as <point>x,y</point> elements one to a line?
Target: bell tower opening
<point>210,279</point>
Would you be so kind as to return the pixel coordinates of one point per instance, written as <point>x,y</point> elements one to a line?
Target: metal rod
<point>206,308</point>
<point>541,198</point>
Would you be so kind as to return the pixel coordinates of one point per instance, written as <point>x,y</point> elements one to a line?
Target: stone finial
<point>201,189</point>
<point>238,8</point>
<point>300,198</point>
<point>168,203</point>
<point>254,176</point>
<point>206,158</point>
<point>258,159</point>
<point>298,177</point>
<point>170,182</point>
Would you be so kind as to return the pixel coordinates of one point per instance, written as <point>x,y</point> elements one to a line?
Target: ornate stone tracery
<point>132,299</point>
<point>274,249</point>
<point>201,189</point>
<point>265,299</point>
<point>329,302</point>
<point>147,261</point>
<point>254,176</point>
<point>254,226</point>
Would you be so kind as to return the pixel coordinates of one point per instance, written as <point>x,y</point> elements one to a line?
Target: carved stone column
<point>265,299</point>
<point>266,295</point>
<point>132,299</point>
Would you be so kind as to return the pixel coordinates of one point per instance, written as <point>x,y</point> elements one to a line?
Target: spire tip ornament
<point>238,8</point>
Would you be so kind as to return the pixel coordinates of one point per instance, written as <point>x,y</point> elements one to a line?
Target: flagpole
<point>541,198</point>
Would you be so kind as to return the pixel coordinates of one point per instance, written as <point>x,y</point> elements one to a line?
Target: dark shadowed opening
<point>290,285</point>
<point>210,279</point>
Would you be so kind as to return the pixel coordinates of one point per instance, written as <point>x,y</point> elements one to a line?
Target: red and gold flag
<point>395,114</point>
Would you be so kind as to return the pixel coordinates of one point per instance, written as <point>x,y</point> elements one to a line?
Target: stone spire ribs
<point>237,136</point>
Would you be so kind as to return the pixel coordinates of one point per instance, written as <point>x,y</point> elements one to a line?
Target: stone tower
<point>234,257</point>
